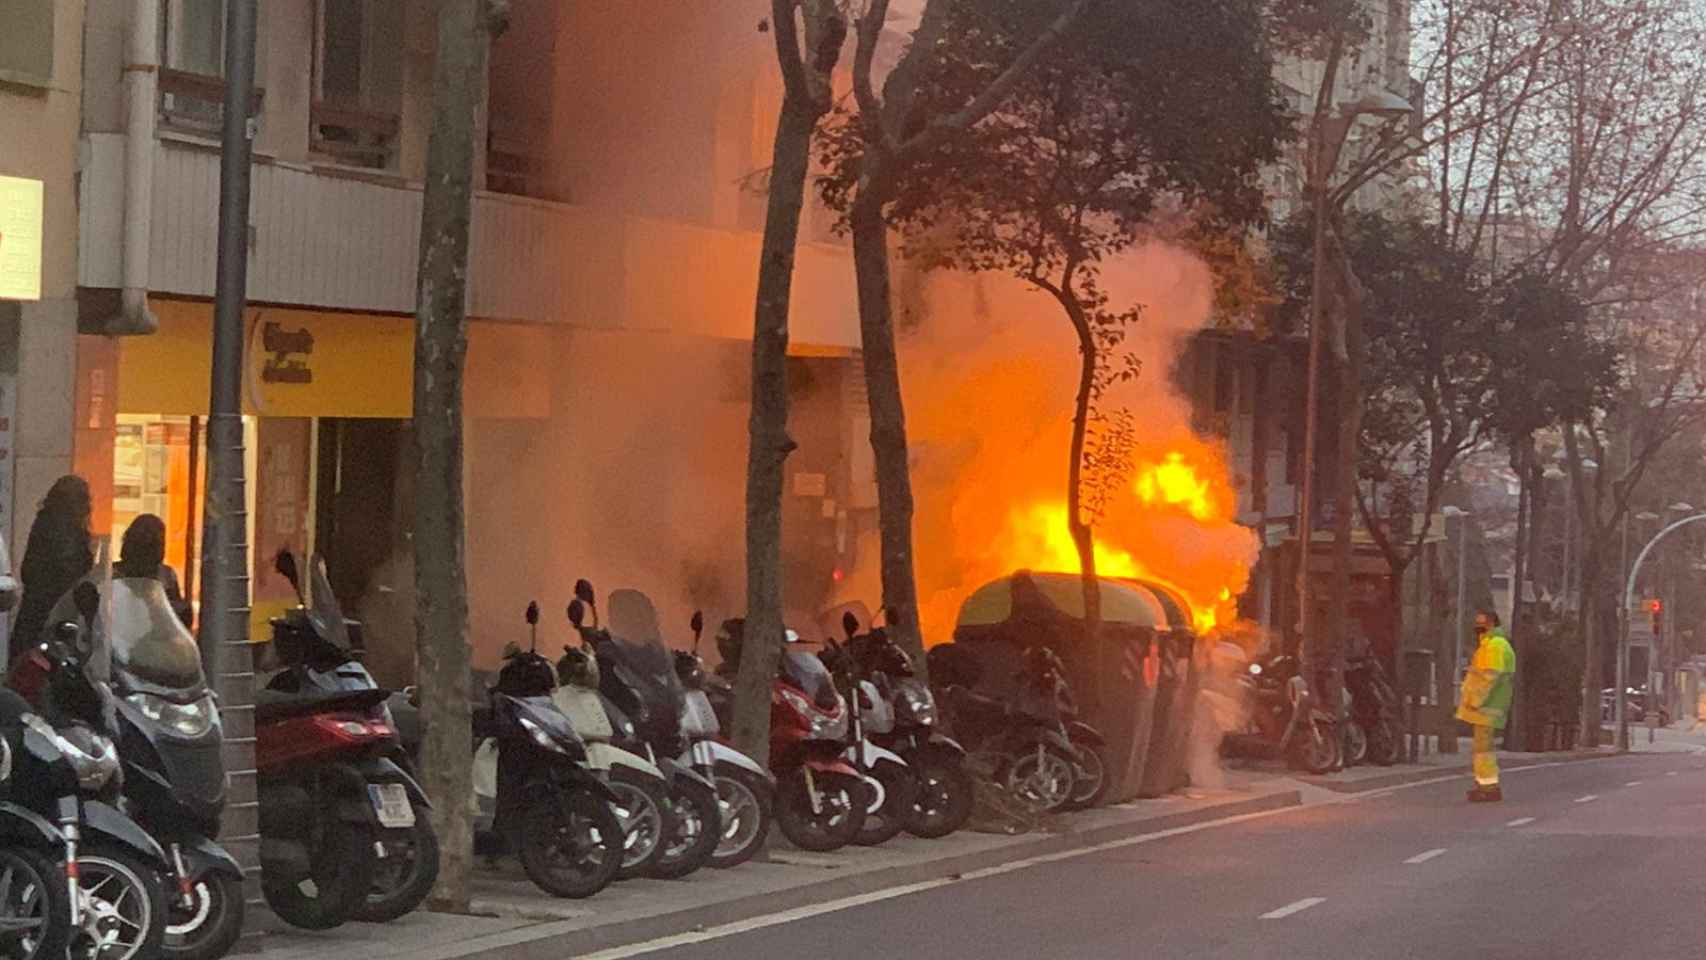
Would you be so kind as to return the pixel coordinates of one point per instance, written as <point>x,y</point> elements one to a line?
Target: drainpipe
<point>141,98</point>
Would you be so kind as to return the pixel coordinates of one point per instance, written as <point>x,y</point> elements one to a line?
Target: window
<point>192,66</point>
<point>26,41</point>
<point>358,81</point>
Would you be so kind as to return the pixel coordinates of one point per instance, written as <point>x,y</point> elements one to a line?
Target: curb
<point>555,946</point>
<point>1371,784</point>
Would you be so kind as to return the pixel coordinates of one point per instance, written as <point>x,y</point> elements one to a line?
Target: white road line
<point>877,896</point>
<point>1292,908</point>
<point>1588,799</point>
<point>1520,822</point>
<point>1633,783</point>
<point>1671,773</point>
<point>1425,857</point>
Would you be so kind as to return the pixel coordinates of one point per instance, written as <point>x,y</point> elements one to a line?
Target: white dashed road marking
<point>1633,783</point>
<point>1588,799</point>
<point>1425,857</point>
<point>1671,773</point>
<point>1520,822</point>
<point>1292,908</point>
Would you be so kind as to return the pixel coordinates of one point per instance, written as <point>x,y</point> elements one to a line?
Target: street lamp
<point>1329,139</point>
<point>1628,602</point>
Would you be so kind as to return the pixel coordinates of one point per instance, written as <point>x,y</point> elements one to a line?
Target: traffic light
<point>1657,608</point>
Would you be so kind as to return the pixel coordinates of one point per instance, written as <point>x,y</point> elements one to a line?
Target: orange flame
<point>1180,485</point>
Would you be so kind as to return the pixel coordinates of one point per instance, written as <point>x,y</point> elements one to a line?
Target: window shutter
<point>26,41</point>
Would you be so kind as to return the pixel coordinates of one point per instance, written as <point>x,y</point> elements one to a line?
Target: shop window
<point>358,82</point>
<point>26,42</point>
<point>192,66</point>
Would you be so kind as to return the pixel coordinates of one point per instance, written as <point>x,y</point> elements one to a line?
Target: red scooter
<point>821,798</point>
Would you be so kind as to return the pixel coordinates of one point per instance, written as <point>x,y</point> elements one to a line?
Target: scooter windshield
<point>323,610</point>
<point>808,674</point>
<point>150,645</point>
<point>636,657</point>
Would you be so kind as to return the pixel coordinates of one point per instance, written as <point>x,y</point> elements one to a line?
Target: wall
<point>47,330</point>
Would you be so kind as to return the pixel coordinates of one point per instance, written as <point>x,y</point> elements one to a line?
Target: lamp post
<point>1462,518</point>
<point>1330,136</point>
<point>1628,601</point>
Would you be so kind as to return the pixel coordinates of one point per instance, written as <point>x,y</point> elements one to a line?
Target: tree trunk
<point>1082,536</point>
<point>769,443</point>
<point>1587,622</point>
<point>1523,730</point>
<point>888,415</point>
<point>441,344</point>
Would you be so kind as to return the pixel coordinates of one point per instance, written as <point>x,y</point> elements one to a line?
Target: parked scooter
<point>640,785</point>
<point>1034,757</point>
<point>1284,719</point>
<point>35,892</point>
<point>548,804</point>
<point>821,799</point>
<point>644,696</point>
<point>62,808</point>
<point>315,644</point>
<point>944,799</point>
<point>891,785</point>
<point>170,743</point>
<point>1374,707</point>
<point>746,792</point>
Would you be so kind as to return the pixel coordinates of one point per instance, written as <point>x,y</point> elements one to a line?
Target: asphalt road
<point>1603,859</point>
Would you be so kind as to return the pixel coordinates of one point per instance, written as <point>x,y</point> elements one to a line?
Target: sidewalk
<point>514,921</point>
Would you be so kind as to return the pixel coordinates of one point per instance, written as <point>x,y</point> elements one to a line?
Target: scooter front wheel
<point>695,825</point>
<point>835,818</point>
<point>35,908</point>
<point>208,925</point>
<point>1316,748</point>
<point>945,796</point>
<point>1043,776</point>
<point>888,803</point>
<point>745,802</point>
<point>574,844</point>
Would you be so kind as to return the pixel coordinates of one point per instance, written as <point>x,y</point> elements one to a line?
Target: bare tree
<point>807,72</point>
<point>465,30</point>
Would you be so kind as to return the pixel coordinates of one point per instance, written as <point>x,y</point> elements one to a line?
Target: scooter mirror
<point>285,563</point>
<point>583,593</point>
<point>697,624</point>
<point>68,635</point>
<point>533,613</point>
<point>577,612</point>
<point>849,624</point>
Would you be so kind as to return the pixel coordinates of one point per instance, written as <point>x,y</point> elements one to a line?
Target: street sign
<point>21,212</point>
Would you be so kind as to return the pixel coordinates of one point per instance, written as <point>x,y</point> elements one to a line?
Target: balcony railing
<point>195,102</point>
<point>352,136</point>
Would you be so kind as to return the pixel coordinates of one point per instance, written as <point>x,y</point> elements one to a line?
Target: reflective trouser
<point>1485,762</point>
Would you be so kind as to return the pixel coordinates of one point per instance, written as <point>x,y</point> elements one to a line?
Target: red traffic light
<point>1656,605</point>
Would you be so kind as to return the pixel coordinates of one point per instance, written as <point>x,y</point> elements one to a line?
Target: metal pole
<point>1462,601</point>
<point>1326,157</point>
<point>225,551</point>
<point>1628,601</point>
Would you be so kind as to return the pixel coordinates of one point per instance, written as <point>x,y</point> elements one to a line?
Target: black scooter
<point>62,807</point>
<point>637,677</point>
<point>1285,720</point>
<point>551,808</point>
<point>315,644</point>
<point>1374,707</point>
<point>170,742</point>
<point>1034,757</point>
<point>944,797</point>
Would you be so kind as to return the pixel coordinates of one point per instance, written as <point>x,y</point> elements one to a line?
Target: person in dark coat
<point>142,553</point>
<point>59,553</point>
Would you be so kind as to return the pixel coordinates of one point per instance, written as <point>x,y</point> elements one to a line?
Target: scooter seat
<point>272,705</point>
<point>975,706</point>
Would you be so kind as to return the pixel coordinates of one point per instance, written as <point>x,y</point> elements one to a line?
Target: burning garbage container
<point>1175,682</point>
<point>1115,686</point>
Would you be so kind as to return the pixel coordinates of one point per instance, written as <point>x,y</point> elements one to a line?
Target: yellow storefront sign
<point>310,363</point>
<point>21,214</point>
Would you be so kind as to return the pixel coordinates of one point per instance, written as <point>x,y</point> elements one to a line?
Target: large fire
<point>1172,487</point>
<point>989,381</point>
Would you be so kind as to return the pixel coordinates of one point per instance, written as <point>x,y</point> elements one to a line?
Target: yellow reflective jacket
<point>1487,685</point>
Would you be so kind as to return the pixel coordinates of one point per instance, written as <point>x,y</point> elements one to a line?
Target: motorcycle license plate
<point>391,802</point>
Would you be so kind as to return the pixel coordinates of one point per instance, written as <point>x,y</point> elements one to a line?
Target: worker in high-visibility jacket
<point>1485,702</point>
